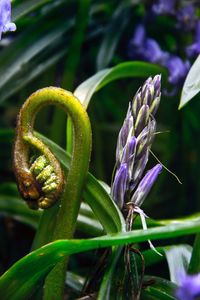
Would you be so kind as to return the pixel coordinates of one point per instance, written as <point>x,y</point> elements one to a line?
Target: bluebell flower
<point>194,49</point>
<point>153,52</point>
<point>5,17</point>
<point>141,47</point>
<point>164,7</point>
<point>186,17</point>
<point>134,140</point>
<point>177,69</point>
<point>189,288</point>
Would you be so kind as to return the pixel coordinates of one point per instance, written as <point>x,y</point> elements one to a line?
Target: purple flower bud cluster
<point>185,15</point>
<point>5,17</point>
<point>189,288</point>
<point>132,151</point>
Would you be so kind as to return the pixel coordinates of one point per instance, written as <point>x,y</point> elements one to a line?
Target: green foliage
<point>27,272</point>
<point>82,46</point>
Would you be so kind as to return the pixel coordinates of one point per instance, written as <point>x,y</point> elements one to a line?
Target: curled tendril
<point>40,181</point>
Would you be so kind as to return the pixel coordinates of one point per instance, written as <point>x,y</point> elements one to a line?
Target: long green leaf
<point>85,90</point>
<point>17,209</point>
<point>12,206</point>
<point>20,280</point>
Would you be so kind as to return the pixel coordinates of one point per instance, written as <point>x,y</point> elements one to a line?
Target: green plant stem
<point>194,266</point>
<point>63,216</point>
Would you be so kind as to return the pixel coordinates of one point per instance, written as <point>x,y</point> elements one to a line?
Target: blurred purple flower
<point>177,69</point>
<point>5,17</point>
<point>164,7</point>
<point>194,49</point>
<point>190,287</point>
<point>141,47</point>
<point>186,17</point>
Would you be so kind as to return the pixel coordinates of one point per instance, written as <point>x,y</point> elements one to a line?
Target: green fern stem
<point>63,216</point>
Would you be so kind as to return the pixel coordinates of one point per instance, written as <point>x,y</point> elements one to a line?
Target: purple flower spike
<point>164,7</point>
<point>145,185</point>
<point>5,17</point>
<point>190,287</point>
<point>119,185</point>
<point>134,141</point>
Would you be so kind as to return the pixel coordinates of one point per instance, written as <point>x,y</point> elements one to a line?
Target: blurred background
<point>62,43</point>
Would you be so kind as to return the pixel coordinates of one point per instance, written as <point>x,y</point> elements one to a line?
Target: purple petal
<point>127,127</point>
<point>142,119</point>
<point>119,185</point>
<point>153,52</point>
<point>5,17</point>
<point>145,185</point>
<point>129,150</point>
<point>186,17</point>
<point>139,36</point>
<point>194,49</point>
<point>138,170</point>
<point>190,287</point>
<point>177,69</point>
<point>164,7</point>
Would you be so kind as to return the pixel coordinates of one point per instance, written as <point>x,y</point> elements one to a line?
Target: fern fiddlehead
<point>42,183</point>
